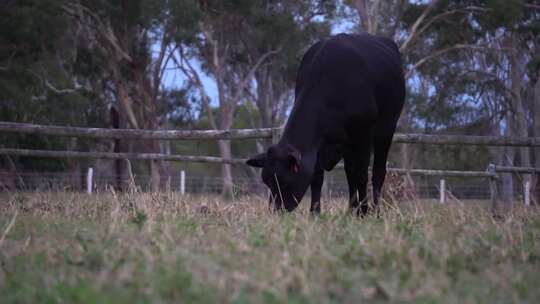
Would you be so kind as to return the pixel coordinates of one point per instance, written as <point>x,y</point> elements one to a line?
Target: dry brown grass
<point>163,247</point>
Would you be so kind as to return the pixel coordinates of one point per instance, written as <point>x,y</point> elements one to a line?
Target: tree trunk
<point>518,128</point>
<point>507,178</point>
<point>166,166</point>
<point>123,169</point>
<point>265,102</point>
<point>226,116</point>
<point>114,123</point>
<point>404,126</point>
<point>508,160</point>
<point>123,96</point>
<point>226,171</point>
<point>16,181</point>
<point>497,156</point>
<point>74,167</point>
<point>536,133</point>
<point>155,176</point>
<point>368,11</point>
<point>155,172</point>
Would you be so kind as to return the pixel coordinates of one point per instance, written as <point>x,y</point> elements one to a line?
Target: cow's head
<point>286,172</point>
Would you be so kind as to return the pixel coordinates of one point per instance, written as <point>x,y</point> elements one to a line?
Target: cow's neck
<point>301,130</point>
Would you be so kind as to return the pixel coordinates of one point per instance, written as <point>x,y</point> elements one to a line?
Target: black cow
<point>349,94</point>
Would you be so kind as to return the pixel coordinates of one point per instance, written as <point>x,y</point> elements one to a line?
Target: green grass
<point>161,248</point>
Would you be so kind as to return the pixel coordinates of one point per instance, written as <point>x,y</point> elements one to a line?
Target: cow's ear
<point>294,157</point>
<point>257,160</point>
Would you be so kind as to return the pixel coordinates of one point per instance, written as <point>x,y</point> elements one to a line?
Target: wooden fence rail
<point>503,169</point>
<point>491,173</point>
<point>135,134</point>
<point>219,160</point>
<point>110,155</point>
<point>467,140</point>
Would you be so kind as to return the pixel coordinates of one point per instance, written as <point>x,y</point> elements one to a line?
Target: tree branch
<point>51,87</point>
<point>447,50</point>
<point>167,60</point>
<point>105,30</point>
<point>185,66</point>
<point>414,28</point>
<point>158,65</point>
<point>252,71</point>
<point>58,91</point>
<point>468,9</point>
<point>374,13</point>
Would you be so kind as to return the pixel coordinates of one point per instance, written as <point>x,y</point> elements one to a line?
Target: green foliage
<point>32,25</point>
<point>463,90</point>
<point>37,58</point>
<point>45,51</point>
<point>185,19</point>
<point>504,13</point>
<point>139,219</point>
<point>179,107</point>
<point>29,30</point>
<point>256,27</point>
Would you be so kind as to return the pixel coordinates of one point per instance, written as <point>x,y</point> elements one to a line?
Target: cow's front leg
<point>356,169</point>
<point>316,186</point>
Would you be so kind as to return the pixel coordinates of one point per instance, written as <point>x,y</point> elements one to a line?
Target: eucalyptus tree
<point>291,27</point>
<point>250,50</point>
<point>128,45</point>
<point>492,68</point>
<point>467,62</point>
<point>38,82</point>
<point>217,48</point>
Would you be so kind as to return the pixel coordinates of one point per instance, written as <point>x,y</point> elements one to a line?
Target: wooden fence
<point>136,134</point>
<point>99,133</point>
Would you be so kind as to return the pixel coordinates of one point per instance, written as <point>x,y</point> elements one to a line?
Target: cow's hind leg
<point>316,186</point>
<point>381,146</point>
<point>356,168</point>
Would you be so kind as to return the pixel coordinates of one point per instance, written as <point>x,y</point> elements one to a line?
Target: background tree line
<point>472,67</point>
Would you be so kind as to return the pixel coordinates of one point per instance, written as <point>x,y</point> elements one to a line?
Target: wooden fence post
<point>168,185</point>
<point>89,182</point>
<point>182,182</point>
<point>527,194</point>
<point>536,188</point>
<point>442,192</point>
<point>493,188</point>
<point>275,135</point>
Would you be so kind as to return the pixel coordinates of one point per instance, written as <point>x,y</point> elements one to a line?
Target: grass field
<point>159,248</point>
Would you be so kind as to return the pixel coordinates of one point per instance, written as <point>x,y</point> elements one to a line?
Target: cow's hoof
<point>315,208</point>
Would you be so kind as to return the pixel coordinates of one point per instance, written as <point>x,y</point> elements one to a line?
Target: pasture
<point>163,247</point>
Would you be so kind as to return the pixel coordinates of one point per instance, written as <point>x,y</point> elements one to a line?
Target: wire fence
<point>334,185</point>
<point>428,184</point>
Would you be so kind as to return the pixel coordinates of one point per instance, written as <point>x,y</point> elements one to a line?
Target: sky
<point>175,79</point>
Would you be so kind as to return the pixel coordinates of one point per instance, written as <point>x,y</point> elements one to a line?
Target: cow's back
<point>351,79</point>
